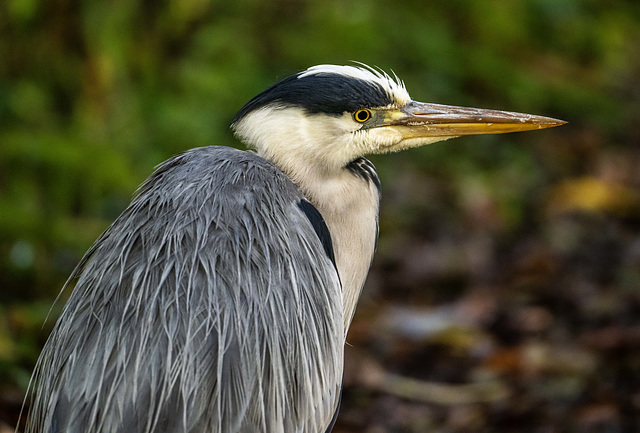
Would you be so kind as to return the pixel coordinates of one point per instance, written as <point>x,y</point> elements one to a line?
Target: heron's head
<point>331,115</point>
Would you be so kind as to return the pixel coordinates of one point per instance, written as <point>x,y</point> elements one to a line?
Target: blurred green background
<point>505,295</point>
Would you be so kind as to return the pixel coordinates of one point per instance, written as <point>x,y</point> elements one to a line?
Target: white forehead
<point>392,85</point>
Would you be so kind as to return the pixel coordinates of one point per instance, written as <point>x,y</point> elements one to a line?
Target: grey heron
<point>220,299</point>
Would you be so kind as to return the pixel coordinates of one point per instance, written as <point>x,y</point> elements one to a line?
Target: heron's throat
<point>318,154</point>
<point>349,202</point>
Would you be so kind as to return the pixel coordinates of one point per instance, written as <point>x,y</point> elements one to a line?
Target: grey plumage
<point>170,325</point>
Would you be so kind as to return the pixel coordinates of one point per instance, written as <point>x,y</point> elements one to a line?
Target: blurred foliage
<point>93,94</point>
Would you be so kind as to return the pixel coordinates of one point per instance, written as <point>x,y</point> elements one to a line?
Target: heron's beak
<point>419,120</point>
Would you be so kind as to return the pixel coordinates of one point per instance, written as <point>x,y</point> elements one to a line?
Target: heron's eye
<point>362,116</point>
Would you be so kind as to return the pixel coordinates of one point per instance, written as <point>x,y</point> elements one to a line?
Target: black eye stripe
<point>321,93</point>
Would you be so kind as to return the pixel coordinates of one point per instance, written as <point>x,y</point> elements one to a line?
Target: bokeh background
<point>505,294</point>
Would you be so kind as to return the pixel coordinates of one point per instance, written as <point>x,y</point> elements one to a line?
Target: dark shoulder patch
<point>363,168</point>
<point>320,227</point>
<point>335,414</point>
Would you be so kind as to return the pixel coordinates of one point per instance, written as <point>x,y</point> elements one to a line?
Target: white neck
<point>348,203</point>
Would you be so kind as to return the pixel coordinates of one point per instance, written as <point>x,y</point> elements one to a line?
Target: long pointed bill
<point>420,120</point>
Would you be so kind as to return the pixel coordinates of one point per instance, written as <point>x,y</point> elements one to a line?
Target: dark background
<point>505,294</point>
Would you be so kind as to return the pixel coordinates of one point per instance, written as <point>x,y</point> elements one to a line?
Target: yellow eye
<point>362,116</point>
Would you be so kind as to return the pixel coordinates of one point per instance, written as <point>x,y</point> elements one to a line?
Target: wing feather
<point>210,305</point>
